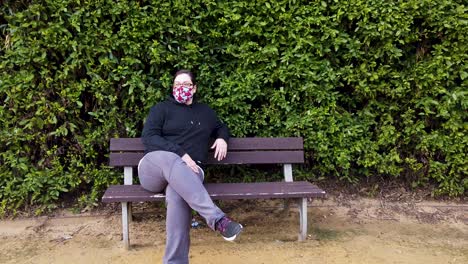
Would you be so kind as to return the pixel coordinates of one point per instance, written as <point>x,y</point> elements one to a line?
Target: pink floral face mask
<point>182,93</point>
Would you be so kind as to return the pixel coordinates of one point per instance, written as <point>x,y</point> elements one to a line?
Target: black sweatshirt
<point>181,128</point>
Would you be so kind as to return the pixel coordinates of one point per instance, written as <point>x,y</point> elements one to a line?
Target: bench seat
<point>221,191</point>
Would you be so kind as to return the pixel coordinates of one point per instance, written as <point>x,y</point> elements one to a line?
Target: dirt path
<point>357,231</point>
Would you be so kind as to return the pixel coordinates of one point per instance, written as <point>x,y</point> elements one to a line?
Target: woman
<point>176,135</point>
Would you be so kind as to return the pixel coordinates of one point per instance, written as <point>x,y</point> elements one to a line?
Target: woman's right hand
<point>190,163</point>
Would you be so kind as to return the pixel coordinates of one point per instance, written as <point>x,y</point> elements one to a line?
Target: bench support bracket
<point>128,180</point>
<point>287,171</point>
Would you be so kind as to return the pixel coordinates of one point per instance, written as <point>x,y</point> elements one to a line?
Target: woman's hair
<point>189,73</point>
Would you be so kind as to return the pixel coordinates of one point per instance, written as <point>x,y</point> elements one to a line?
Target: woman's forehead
<point>182,78</point>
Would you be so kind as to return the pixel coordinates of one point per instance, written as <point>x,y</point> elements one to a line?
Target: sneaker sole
<point>231,239</point>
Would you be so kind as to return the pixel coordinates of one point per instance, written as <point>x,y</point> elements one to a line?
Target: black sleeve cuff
<point>180,152</point>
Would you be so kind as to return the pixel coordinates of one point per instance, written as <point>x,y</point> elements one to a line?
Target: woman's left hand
<point>220,147</point>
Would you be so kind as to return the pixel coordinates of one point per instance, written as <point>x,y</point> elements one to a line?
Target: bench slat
<point>286,143</point>
<point>240,157</point>
<point>221,191</point>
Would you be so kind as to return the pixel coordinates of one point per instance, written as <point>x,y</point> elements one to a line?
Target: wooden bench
<point>127,152</point>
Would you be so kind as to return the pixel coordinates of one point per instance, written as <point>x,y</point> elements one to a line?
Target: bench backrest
<point>128,151</point>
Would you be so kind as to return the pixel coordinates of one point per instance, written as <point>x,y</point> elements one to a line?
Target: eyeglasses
<point>184,84</point>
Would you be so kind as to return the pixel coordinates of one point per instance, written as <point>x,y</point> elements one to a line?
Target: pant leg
<point>182,179</point>
<point>178,220</point>
<point>178,223</point>
<point>151,177</point>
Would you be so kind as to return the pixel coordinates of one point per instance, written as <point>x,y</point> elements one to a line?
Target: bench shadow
<point>140,246</point>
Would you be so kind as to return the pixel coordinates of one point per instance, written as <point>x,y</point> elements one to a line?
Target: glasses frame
<point>184,84</point>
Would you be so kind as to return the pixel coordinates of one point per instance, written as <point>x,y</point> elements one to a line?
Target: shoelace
<point>222,224</point>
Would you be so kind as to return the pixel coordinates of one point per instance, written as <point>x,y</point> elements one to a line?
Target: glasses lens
<point>184,84</point>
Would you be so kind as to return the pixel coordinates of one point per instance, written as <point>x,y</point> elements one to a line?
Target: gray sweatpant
<point>163,170</point>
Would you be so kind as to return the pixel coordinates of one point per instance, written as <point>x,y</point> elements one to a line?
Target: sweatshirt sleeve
<point>221,130</point>
<point>152,133</point>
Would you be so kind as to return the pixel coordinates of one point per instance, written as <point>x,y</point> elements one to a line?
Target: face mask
<point>182,93</point>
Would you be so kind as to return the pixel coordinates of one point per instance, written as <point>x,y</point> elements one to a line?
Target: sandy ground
<point>346,231</point>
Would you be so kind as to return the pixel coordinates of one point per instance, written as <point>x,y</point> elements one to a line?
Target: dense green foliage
<point>374,87</point>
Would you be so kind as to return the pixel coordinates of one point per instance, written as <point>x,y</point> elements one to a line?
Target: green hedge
<point>376,88</point>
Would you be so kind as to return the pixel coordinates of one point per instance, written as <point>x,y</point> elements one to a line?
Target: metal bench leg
<point>125,229</point>
<point>302,219</point>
